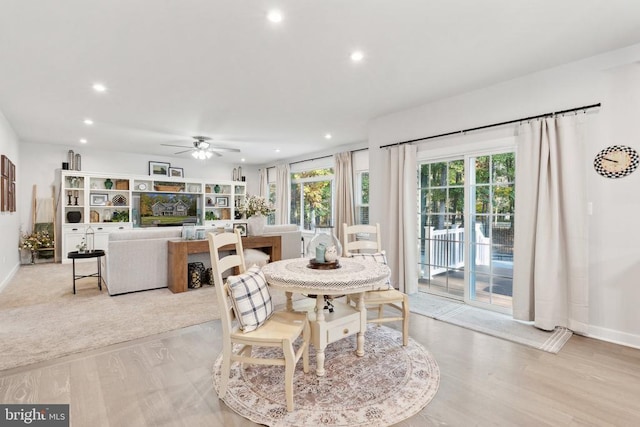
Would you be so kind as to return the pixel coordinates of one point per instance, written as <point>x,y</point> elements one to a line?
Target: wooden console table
<point>179,251</point>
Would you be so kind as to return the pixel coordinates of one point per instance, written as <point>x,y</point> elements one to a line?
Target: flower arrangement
<point>82,247</point>
<point>255,205</point>
<point>35,241</point>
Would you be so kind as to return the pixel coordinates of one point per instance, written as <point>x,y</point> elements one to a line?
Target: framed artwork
<point>4,194</point>
<point>99,199</point>
<point>4,166</point>
<point>12,171</point>
<point>242,226</point>
<point>222,202</point>
<point>159,168</point>
<point>12,197</point>
<point>176,172</point>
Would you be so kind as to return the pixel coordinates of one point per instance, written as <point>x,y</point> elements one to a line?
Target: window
<point>271,195</point>
<point>362,197</point>
<point>312,198</point>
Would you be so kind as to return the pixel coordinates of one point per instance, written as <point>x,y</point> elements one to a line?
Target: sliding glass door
<point>466,228</point>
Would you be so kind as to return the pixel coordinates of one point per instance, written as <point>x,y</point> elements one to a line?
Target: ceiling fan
<point>202,149</point>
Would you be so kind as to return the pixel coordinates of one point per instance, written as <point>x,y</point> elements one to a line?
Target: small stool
<point>98,253</point>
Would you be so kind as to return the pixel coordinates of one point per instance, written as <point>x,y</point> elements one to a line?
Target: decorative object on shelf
<point>122,184</point>
<point>222,202</point>
<point>616,161</point>
<point>242,227</point>
<point>216,188</point>
<point>176,172</point>
<point>142,186</point>
<point>99,199</point>
<point>120,216</point>
<point>320,250</point>
<point>210,216</point>
<point>239,173</point>
<point>106,217</point>
<point>196,272</point>
<point>74,216</point>
<point>194,188</point>
<point>200,235</point>
<point>71,160</point>
<point>323,235</point>
<point>65,166</point>
<point>94,216</point>
<point>108,184</point>
<point>89,238</point>
<point>188,231</point>
<point>331,254</point>
<point>35,241</point>
<point>74,182</point>
<point>69,195</point>
<point>77,161</point>
<point>159,168</point>
<point>119,200</point>
<point>76,194</point>
<point>166,187</point>
<point>235,174</point>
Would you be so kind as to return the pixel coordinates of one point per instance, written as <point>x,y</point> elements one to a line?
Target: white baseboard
<point>613,336</point>
<point>7,279</point>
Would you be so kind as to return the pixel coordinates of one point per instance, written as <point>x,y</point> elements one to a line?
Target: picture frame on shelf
<point>99,199</point>
<point>176,172</point>
<point>222,202</point>
<point>159,168</point>
<point>242,226</point>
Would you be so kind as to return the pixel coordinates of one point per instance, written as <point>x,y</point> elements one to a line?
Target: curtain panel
<point>399,234</point>
<point>283,188</point>
<point>551,261</point>
<point>344,193</point>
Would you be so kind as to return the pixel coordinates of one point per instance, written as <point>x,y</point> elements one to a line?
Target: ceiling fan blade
<point>184,151</point>
<point>172,145</point>
<point>217,154</point>
<point>224,149</point>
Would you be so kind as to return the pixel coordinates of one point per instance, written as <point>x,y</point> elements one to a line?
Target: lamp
<point>201,154</point>
<point>89,238</point>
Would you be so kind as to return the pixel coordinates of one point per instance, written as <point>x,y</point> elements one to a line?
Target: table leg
<point>363,324</point>
<point>289,303</point>
<point>322,342</point>
<point>99,274</point>
<point>74,275</point>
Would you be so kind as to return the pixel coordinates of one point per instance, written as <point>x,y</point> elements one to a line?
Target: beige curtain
<point>262,191</point>
<point>550,266</point>
<point>399,235</point>
<point>344,192</point>
<point>283,188</point>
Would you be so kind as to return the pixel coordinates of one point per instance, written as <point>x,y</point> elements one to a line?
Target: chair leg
<point>289,368</point>
<point>306,338</point>
<point>225,371</point>
<point>405,321</point>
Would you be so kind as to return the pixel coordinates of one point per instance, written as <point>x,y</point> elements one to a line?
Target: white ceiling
<point>220,69</point>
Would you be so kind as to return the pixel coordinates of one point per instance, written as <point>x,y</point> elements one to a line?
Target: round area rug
<point>390,383</point>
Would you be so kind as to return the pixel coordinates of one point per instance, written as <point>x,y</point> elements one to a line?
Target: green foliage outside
<point>316,198</point>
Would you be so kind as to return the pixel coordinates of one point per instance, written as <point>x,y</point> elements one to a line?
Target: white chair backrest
<point>351,243</point>
<point>221,265</point>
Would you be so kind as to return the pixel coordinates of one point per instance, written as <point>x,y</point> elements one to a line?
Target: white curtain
<point>262,191</point>
<point>550,266</point>
<point>399,235</point>
<point>283,188</point>
<point>344,192</point>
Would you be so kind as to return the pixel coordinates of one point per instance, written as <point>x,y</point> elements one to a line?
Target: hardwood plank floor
<point>165,380</point>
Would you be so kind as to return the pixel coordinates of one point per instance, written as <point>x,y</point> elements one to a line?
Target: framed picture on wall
<point>159,168</point>
<point>176,172</point>
<point>4,165</point>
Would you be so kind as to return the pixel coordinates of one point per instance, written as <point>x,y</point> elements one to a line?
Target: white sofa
<point>136,259</point>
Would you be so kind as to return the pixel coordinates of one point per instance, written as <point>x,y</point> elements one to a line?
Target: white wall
<point>612,79</point>
<point>9,222</point>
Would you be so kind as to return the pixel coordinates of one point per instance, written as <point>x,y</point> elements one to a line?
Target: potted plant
<point>82,247</point>
<point>256,208</point>
<point>35,241</point>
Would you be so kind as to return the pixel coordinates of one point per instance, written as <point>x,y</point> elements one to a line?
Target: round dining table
<point>354,276</point>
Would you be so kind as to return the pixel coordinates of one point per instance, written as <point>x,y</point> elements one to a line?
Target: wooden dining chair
<point>355,245</point>
<point>248,318</point>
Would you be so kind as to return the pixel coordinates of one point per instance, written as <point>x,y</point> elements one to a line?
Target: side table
<point>97,254</point>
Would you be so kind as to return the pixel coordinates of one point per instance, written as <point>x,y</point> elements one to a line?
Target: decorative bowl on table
<point>327,265</point>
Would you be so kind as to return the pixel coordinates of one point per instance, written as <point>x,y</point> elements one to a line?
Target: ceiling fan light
<point>208,154</point>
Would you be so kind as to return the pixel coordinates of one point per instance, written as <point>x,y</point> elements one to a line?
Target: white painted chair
<point>397,301</point>
<point>281,329</point>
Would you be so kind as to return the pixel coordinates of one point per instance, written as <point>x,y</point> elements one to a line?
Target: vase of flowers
<point>82,247</point>
<point>34,242</point>
<point>255,209</point>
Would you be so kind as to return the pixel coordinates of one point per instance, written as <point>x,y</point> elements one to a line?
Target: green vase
<point>216,188</point>
<point>108,184</point>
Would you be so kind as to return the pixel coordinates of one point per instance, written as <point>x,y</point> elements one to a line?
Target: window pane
<point>482,202</point>
<point>504,168</point>
<point>317,204</point>
<point>456,172</point>
<point>312,173</point>
<point>456,201</point>
<point>364,187</point>
<point>482,170</point>
<point>438,174</point>
<point>296,212</point>
<point>437,199</point>
<point>504,199</point>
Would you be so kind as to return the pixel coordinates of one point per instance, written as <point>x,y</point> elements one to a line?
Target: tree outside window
<point>312,198</point>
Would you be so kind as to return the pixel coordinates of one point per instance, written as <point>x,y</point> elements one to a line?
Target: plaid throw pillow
<point>250,298</point>
<point>379,257</point>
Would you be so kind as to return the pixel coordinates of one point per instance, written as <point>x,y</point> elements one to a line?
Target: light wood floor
<point>165,380</point>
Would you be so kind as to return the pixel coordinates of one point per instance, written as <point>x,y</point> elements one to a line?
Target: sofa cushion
<point>250,298</point>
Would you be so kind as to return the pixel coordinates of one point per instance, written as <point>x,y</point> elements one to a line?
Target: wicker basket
<point>174,188</point>
<point>122,184</point>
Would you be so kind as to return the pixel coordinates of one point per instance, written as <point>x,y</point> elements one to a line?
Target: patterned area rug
<point>390,383</point>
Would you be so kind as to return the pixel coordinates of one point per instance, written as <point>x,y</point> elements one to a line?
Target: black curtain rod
<point>571,110</point>
<point>324,157</point>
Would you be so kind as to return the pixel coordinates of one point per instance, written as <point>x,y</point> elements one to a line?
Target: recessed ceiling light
<point>83,141</point>
<point>357,56</point>
<point>277,150</point>
<point>327,136</point>
<point>99,87</point>
<point>242,160</point>
<point>275,16</point>
<point>88,121</point>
